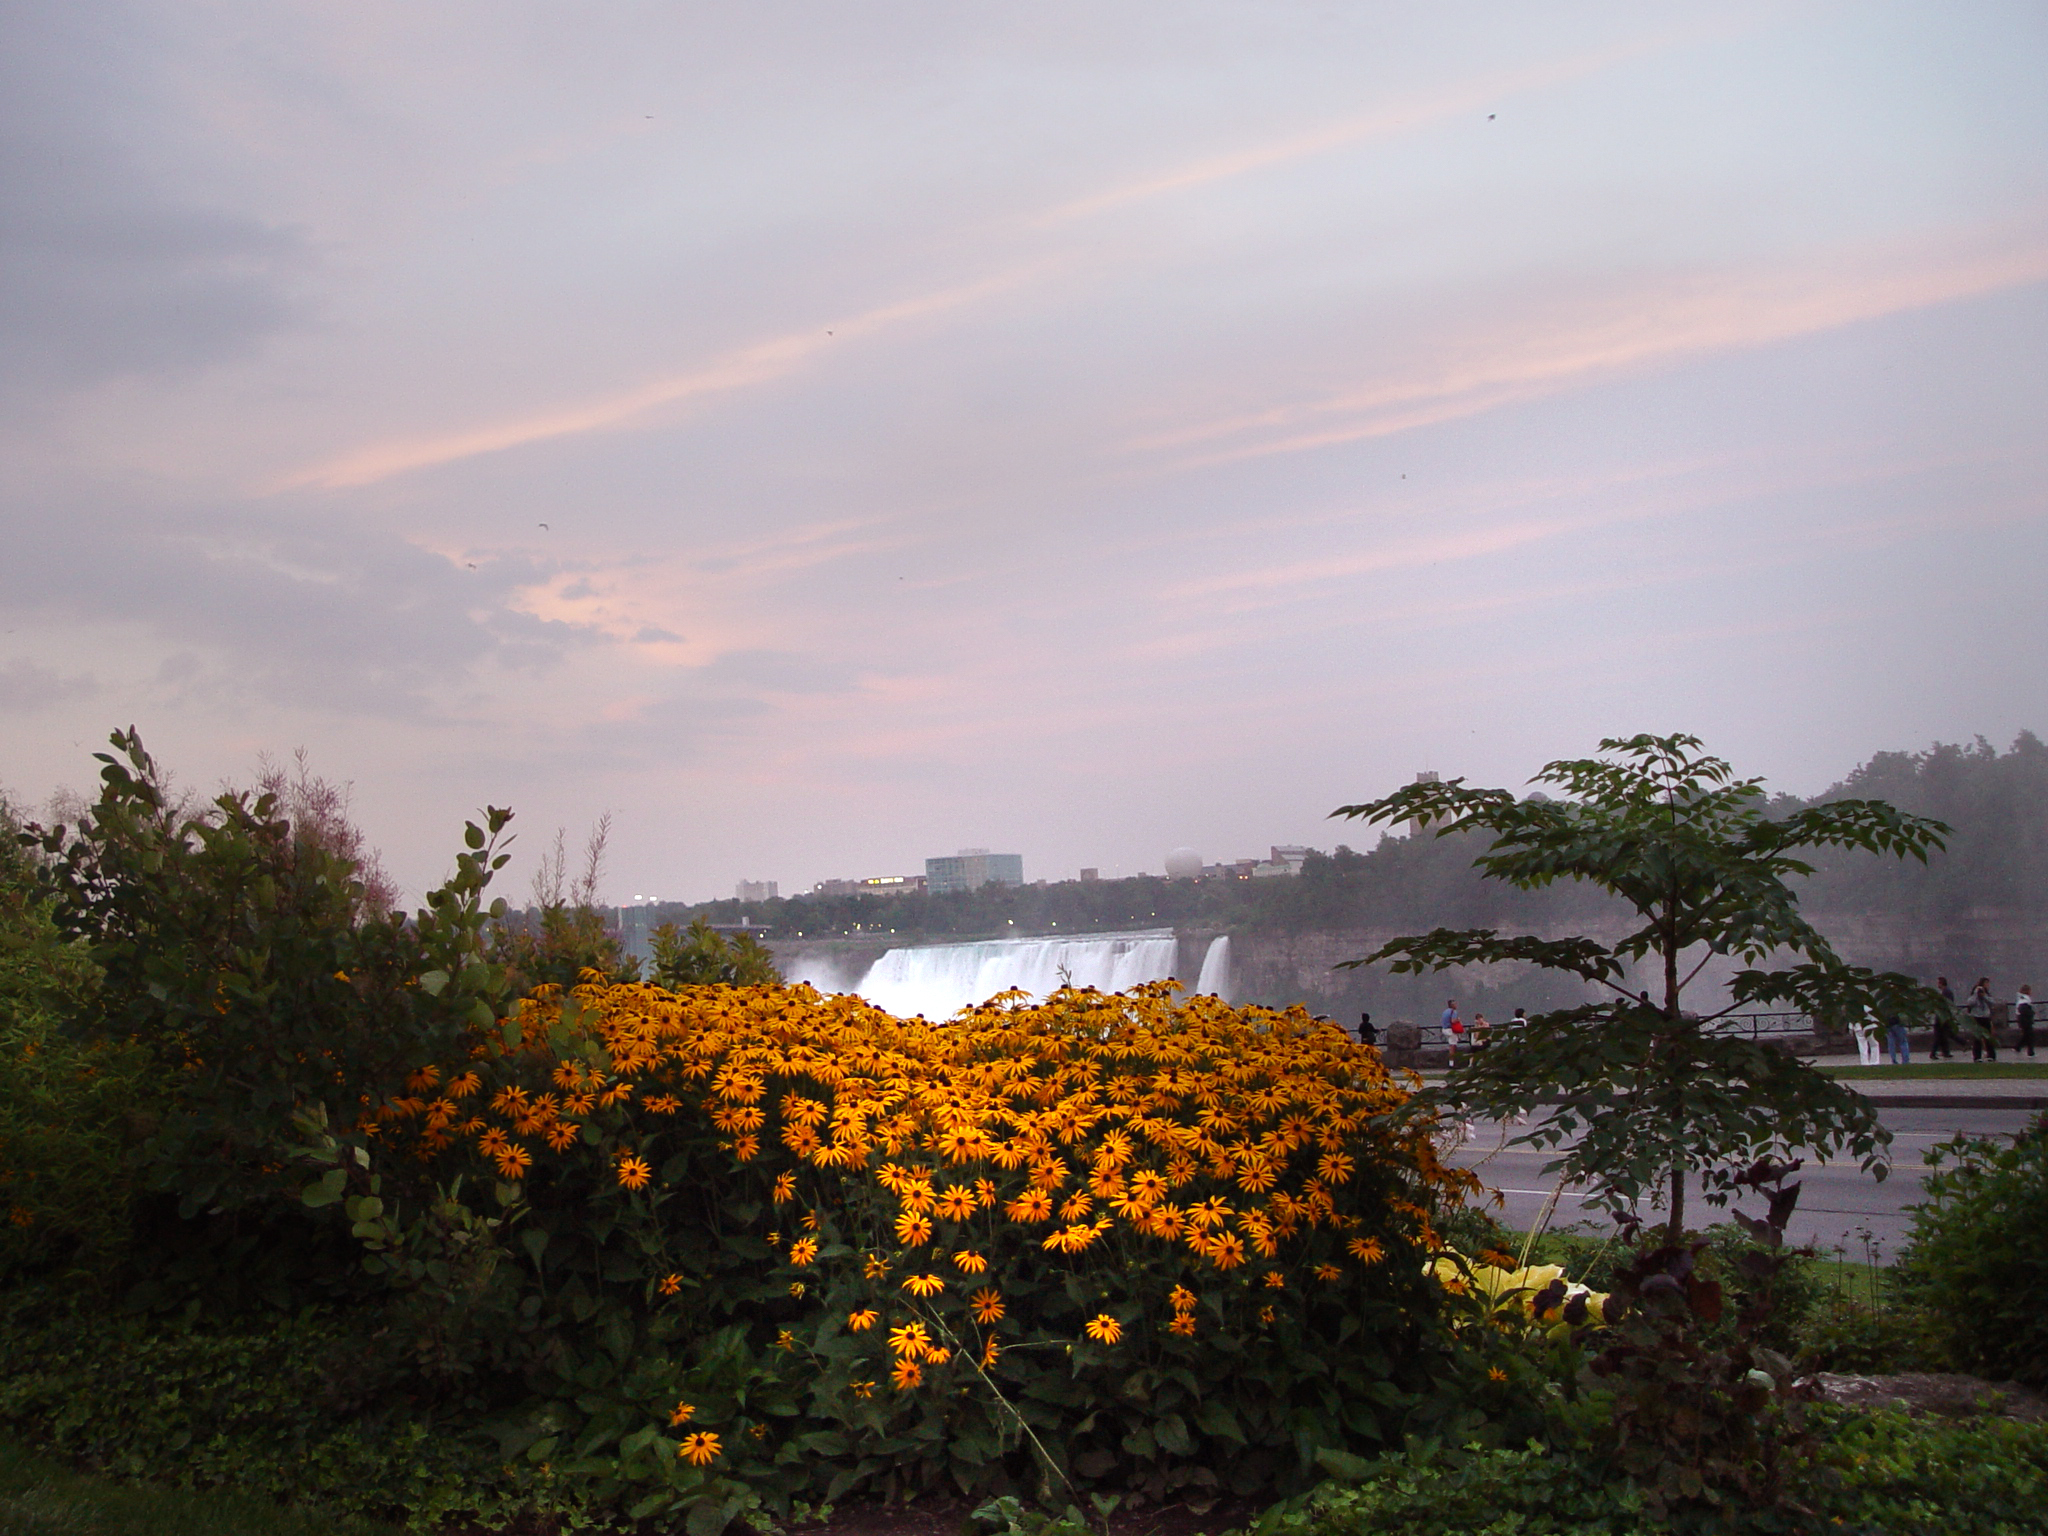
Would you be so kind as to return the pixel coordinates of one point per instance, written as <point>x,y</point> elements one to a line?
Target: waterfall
<point>1215,975</point>
<point>938,980</point>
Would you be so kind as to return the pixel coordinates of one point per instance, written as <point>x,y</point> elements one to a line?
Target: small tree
<point>1642,1090</point>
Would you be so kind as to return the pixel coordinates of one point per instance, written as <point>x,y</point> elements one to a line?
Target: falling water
<point>938,980</point>
<point>1215,975</point>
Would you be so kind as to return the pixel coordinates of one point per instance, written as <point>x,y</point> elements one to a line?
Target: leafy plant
<point>1975,1256</point>
<point>1702,1420</point>
<point>700,956</point>
<point>242,965</point>
<point>1643,1091</point>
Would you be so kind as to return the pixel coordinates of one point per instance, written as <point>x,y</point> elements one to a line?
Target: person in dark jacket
<point>1983,1033</point>
<point>2023,1015</point>
<point>1944,1048</point>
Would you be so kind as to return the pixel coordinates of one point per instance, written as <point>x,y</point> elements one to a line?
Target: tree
<point>1644,1091</point>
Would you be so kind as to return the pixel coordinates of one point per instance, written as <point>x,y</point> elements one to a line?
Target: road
<point>1838,1202</point>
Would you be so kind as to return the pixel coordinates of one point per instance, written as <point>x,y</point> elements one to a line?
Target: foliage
<point>556,945</point>
<point>700,956</point>
<point>1704,1421</point>
<point>1106,1240</point>
<point>40,1498</point>
<point>272,1409</point>
<point>67,1108</point>
<point>1872,1475</point>
<point>1644,1090</point>
<point>239,959</point>
<point>1975,1257</point>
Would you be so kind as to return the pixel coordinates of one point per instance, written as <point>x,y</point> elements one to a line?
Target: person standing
<point>1368,1032</point>
<point>1897,1047</point>
<point>1983,1036</point>
<point>1453,1027</point>
<point>1944,1048</point>
<point>2023,1015</point>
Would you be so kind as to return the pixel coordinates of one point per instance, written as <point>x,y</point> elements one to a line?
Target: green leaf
<point>326,1189</point>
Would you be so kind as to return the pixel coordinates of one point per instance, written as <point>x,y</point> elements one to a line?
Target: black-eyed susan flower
<point>634,1172</point>
<point>924,1285</point>
<point>861,1321</point>
<point>670,1284</point>
<point>987,1305</point>
<point>699,1449</point>
<point>1104,1329</point>
<point>682,1413</point>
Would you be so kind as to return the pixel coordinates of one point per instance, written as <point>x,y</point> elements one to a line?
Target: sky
<point>830,436</point>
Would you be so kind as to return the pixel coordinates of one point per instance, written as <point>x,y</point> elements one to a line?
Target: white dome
<point>1184,864</point>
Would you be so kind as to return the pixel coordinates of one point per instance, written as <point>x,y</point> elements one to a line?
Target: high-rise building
<point>756,890</point>
<point>972,868</point>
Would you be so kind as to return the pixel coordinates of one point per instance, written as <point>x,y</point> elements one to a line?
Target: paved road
<point>1837,1204</point>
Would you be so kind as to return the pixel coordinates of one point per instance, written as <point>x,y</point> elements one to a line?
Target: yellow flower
<point>863,1388</point>
<point>670,1284</point>
<point>785,1187</point>
<point>1182,1298</point>
<point>513,1162</point>
<point>634,1172</point>
<point>957,1203</point>
<point>913,1230</point>
<point>1104,1329</point>
<point>803,1251</point>
<point>907,1374</point>
<point>1328,1273</point>
<point>1495,1373</point>
<point>682,1413</point>
<point>1266,1316</point>
<point>1032,1205</point>
<point>1366,1250</point>
<point>875,1266</point>
<point>785,1340</point>
<point>862,1320</point>
<point>987,1304</point>
<point>937,1356</point>
<point>699,1449</point>
<point>989,1352</point>
<point>796,1289</point>
<point>969,1263</point>
<point>924,1285</point>
<point>1183,1323</point>
<point>910,1339</point>
<point>1275,1280</point>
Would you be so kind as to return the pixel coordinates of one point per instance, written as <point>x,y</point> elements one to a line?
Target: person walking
<point>1898,1049</point>
<point>1944,1048</point>
<point>1983,1036</point>
<point>2023,1015</point>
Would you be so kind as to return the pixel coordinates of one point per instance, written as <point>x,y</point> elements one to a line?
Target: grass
<point>40,1497</point>
<point>1936,1071</point>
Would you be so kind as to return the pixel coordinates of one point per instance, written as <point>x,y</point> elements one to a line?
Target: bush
<point>1132,1241</point>
<point>1975,1258</point>
<point>1876,1475</point>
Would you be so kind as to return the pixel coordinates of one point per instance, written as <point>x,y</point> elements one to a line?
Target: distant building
<point>1287,860</point>
<point>891,885</point>
<point>1237,869</point>
<point>1091,874</point>
<point>756,890</point>
<point>1417,825</point>
<point>972,868</point>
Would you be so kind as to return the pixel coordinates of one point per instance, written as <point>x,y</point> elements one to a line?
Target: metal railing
<point>1755,1026</point>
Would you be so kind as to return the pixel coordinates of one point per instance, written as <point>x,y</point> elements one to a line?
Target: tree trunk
<point>1674,1230</point>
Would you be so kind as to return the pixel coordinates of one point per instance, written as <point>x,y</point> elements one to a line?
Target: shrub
<point>1128,1240</point>
<point>1975,1257</point>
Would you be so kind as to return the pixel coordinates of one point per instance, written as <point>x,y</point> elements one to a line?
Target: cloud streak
<point>743,369</point>
<point>1685,319</point>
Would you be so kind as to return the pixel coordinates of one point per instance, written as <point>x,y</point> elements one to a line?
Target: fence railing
<point>1755,1026</point>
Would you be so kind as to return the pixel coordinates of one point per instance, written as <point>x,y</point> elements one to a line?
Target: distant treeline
<point>1997,802</point>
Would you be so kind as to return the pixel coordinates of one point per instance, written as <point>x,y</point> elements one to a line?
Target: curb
<point>1959,1100</point>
